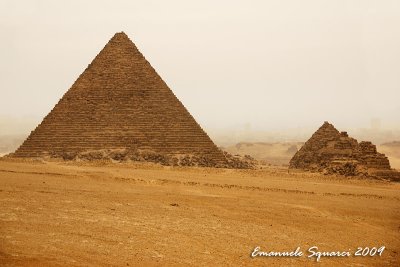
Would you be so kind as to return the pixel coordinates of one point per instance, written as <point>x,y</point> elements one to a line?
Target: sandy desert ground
<point>105,214</point>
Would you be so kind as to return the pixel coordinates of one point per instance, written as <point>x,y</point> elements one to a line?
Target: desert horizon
<point>270,147</point>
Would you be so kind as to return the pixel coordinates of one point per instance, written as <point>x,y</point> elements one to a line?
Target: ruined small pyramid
<point>331,151</point>
<point>120,103</point>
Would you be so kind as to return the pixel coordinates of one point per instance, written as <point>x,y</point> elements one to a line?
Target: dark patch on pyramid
<point>330,151</point>
<point>120,106</point>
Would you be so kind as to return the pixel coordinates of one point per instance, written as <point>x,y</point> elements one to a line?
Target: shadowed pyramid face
<point>119,101</point>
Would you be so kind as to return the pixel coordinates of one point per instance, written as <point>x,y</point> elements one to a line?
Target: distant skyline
<point>264,65</point>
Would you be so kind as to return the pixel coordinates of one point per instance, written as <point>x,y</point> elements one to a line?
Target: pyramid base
<point>351,168</point>
<point>126,155</point>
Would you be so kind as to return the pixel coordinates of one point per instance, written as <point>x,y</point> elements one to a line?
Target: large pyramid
<point>120,103</point>
<point>331,151</point>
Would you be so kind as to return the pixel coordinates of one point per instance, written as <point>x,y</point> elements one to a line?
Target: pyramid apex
<point>327,128</point>
<point>327,125</point>
<point>120,35</point>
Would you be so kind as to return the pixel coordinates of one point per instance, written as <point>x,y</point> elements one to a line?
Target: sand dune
<point>9,143</point>
<point>392,151</point>
<point>278,153</point>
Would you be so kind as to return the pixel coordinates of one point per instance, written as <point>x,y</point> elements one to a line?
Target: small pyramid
<point>331,151</point>
<point>119,103</point>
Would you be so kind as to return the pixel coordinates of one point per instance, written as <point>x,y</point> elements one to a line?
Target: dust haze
<point>271,66</point>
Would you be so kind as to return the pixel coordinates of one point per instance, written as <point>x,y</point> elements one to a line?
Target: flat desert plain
<point>112,214</point>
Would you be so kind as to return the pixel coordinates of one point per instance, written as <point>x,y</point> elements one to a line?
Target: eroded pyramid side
<point>331,151</point>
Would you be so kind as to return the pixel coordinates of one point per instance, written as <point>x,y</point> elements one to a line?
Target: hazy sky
<point>268,64</point>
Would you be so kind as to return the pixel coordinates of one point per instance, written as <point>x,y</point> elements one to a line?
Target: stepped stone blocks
<point>120,108</point>
<point>330,151</point>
